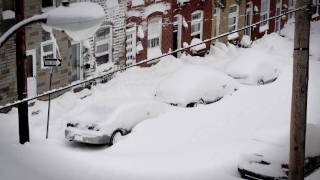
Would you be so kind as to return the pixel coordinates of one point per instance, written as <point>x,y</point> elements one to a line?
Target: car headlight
<point>93,127</point>
<point>72,124</point>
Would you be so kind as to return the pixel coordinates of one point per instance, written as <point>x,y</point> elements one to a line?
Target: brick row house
<point>133,30</point>
<point>39,45</point>
<point>79,58</point>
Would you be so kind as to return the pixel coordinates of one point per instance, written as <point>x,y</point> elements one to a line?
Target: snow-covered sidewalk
<point>205,142</point>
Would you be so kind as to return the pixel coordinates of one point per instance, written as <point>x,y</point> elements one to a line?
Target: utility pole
<point>21,63</point>
<point>299,90</point>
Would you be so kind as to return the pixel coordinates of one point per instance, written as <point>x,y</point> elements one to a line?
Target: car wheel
<point>117,134</point>
<point>260,82</point>
<point>115,137</point>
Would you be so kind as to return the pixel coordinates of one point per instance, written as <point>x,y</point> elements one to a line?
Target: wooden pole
<point>299,91</point>
<point>21,63</point>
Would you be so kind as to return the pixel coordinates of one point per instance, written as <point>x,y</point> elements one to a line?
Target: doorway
<point>249,13</point>
<point>31,74</point>
<point>76,59</point>
<point>278,19</point>
<point>176,36</point>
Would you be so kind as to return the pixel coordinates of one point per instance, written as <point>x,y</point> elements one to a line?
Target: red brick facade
<point>167,22</point>
<point>256,34</point>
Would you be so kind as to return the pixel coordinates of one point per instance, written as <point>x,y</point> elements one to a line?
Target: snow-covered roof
<point>158,7</point>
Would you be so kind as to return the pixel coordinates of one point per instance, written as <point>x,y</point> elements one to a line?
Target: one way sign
<point>50,62</point>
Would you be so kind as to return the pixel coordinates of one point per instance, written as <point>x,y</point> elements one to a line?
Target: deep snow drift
<point>205,142</point>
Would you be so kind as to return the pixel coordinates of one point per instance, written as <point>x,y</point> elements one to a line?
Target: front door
<point>249,13</point>
<point>77,73</point>
<point>176,36</point>
<point>31,73</point>
<point>278,12</point>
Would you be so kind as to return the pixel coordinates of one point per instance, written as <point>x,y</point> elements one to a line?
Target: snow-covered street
<point>205,142</point>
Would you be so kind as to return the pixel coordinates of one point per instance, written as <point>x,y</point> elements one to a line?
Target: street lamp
<point>78,20</point>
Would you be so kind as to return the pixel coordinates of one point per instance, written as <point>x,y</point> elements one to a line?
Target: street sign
<point>51,62</point>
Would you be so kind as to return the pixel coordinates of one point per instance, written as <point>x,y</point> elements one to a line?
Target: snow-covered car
<point>253,71</point>
<point>105,124</point>
<point>194,84</point>
<point>272,163</point>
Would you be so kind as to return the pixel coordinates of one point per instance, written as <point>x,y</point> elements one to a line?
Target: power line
<point>106,75</point>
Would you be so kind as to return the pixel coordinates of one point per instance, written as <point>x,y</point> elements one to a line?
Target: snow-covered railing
<point>147,60</point>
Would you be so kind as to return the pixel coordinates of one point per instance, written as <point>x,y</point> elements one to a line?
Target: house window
<point>196,24</point>
<point>154,37</point>
<point>264,15</point>
<point>48,3</point>
<point>131,44</point>
<point>48,51</point>
<point>291,4</point>
<point>233,18</point>
<point>103,44</point>
<point>154,32</point>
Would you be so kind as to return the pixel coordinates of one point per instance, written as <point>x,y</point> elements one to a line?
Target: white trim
<point>233,15</point>
<point>107,40</point>
<point>249,11</point>
<point>131,31</point>
<point>81,57</point>
<point>33,53</point>
<point>179,38</point>
<point>54,51</point>
<point>265,25</point>
<point>278,20</point>
<point>197,21</point>
<point>32,81</point>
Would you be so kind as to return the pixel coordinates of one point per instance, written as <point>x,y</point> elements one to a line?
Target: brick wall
<point>223,28</point>
<point>256,18</point>
<point>34,36</point>
<point>186,10</point>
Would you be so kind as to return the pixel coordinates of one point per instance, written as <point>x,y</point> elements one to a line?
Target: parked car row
<point>189,86</point>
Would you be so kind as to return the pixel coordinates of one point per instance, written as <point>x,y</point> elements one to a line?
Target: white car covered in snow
<point>253,71</point>
<point>194,84</point>
<point>105,124</point>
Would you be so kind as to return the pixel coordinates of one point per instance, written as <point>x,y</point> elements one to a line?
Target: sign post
<point>50,63</point>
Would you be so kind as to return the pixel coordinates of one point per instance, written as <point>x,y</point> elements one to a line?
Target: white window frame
<point>264,15</point>
<point>291,6</point>
<point>317,4</point>
<point>105,41</point>
<point>155,39</point>
<point>198,21</point>
<point>131,47</point>
<point>54,51</point>
<point>233,15</point>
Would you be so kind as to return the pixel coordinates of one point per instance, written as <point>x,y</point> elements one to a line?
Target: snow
<point>148,10</point>
<point>137,3</point>
<point>139,47</point>
<point>246,41</point>
<point>263,28</point>
<point>199,47</point>
<point>191,84</point>
<point>154,52</point>
<point>233,36</point>
<point>112,3</point>
<point>185,23</point>
<point>181,2</point>
<point>8,14</point>
<point>80,20</point>
<point>140,32</point>
<point>206,142</point>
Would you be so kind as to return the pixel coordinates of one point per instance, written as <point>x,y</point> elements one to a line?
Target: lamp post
<point>78,20</point>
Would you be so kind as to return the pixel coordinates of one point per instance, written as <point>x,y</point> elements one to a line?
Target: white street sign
<point>52,62</point>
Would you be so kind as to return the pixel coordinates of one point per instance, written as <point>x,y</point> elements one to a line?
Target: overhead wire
<point>158,58</point>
